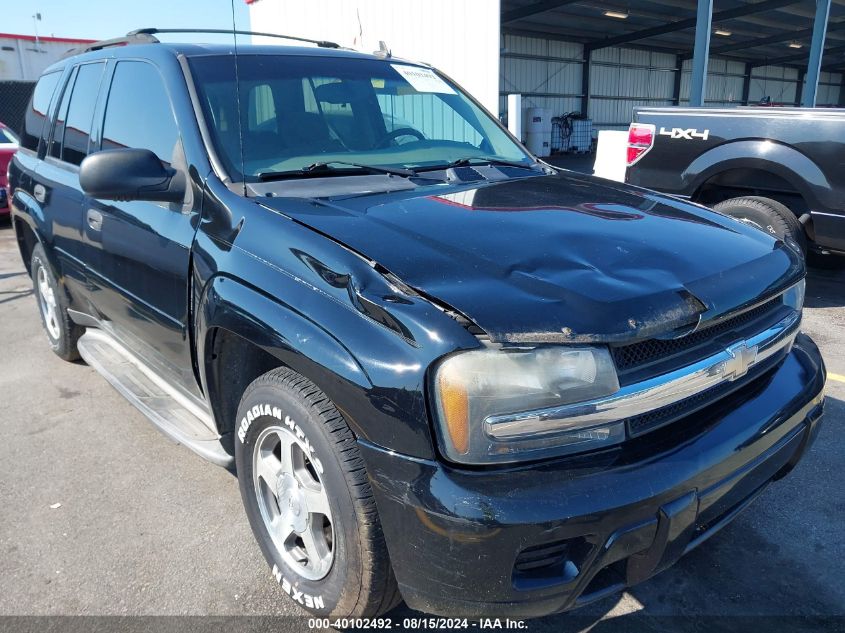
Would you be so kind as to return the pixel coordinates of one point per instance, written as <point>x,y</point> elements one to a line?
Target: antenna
<point>383,51</point>
<point>238,98</point>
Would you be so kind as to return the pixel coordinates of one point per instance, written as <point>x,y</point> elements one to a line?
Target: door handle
<point>95,219</point>
<point>40,193</point>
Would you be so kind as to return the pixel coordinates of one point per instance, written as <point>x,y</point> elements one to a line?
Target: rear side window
<point>61,114</point>
<point>36,114</point>
<point>80,113</point>
<point>138,113</point>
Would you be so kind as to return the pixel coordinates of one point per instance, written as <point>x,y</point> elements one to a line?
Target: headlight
<point>497,405</point>
<point>794,296</point>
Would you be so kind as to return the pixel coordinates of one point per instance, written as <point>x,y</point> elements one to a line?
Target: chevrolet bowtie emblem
<point>742,357</point>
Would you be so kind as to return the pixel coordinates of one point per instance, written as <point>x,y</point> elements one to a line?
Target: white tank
<point>539,143</point>
<point>538,120</point>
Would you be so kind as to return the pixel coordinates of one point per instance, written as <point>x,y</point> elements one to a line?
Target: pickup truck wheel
<point>52,305</point>
<point>768,215</point>
<point>308,499</point>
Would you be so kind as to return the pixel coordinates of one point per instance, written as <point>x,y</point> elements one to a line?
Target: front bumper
<point>541,539</point>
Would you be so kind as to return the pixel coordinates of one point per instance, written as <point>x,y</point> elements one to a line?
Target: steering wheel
<point>400,131</point>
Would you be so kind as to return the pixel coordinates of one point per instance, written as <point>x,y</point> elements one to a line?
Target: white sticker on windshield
<point>423,79</point>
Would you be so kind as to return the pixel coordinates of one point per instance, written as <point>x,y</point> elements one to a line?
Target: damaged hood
<point>558,258</point>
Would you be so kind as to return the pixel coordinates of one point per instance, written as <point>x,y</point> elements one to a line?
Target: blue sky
<point>99,19</point>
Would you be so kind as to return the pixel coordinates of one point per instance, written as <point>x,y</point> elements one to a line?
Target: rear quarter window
<point>80,113</point>
<point>36,113</point>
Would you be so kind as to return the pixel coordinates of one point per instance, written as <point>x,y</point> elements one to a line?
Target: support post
<point>701,54</point>
<point>799,88</point>
<point>679,73</point>
<point>585,81</point>
<point>746,83</point>
<point>808,95</point>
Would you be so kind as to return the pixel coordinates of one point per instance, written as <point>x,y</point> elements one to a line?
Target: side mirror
<point>130,174</point>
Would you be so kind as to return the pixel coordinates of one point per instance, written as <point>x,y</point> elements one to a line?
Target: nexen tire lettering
<point>267,410</point>
<point>312,602</point>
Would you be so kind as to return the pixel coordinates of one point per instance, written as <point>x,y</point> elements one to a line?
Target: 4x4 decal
<point>689,134</point>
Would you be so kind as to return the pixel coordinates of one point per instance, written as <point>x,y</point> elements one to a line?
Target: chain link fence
<point>14,97</point>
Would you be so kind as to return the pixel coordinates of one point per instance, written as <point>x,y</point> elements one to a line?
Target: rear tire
<point>308,499</point>
<point>62,333</point>
<point>768,215</point>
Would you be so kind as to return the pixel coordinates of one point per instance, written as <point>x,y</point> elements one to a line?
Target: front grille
<point>651,420</point>
<point>634,357</point>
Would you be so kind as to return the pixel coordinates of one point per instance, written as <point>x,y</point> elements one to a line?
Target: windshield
<point>295,111</point>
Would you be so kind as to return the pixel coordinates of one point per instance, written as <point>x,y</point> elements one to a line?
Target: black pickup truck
<point>782,169</point>
<point>441,370</point>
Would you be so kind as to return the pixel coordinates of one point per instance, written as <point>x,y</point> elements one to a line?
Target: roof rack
<point>151,31</point>
<point>147,36</point>
<point>135,37</point>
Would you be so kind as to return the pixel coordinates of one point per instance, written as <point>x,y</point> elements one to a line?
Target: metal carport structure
<point>792,51</point>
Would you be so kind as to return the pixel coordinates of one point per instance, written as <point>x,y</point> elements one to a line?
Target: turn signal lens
<point>640,140</point>
<point>454,405</point>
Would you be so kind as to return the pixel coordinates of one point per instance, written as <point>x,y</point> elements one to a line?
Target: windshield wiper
<point>327,169</point>
<point>487,160</point>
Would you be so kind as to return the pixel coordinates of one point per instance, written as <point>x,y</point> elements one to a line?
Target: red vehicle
<point>8,147</point>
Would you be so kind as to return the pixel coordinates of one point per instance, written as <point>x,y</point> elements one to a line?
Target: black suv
<point>441,369</point>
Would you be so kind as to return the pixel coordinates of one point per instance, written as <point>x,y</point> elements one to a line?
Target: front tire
<point>62,333</point>
<point>309,502</point>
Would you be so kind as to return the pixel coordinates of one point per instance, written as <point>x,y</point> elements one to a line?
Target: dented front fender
<point>365,339</point>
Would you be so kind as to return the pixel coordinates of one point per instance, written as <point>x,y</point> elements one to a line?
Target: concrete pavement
<point>147,528</point>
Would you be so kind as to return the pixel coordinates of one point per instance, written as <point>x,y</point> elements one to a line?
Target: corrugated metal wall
<point>725,79</point>
<point>830,89</point>
<point>548,74</point>
<point>776,82</point>
<point>621,78</point>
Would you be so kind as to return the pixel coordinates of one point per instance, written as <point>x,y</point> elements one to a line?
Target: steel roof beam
<point>532,9</point>
<point>572,37</point>
<point>836,66</point>
<point>798,57</point>
<point>772,39</point>
<point>728,14</point>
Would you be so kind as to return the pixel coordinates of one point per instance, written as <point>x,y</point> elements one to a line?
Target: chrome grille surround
<point>651,394</point>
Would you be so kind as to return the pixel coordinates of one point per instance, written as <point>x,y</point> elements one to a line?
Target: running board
<point>176,415</point>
